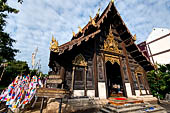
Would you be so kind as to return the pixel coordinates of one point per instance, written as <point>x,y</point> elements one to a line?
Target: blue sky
<point>38,20</point>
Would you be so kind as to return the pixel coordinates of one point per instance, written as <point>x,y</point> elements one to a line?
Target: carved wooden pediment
<point>79,60</point>
<point>110,44</point>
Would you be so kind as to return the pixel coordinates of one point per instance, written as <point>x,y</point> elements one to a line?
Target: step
<point>129,109</point>
<point>161,111</point>
<point>121,103</point>
<point>110,108</point>
<point>127,105</point>
<point>141,111</point>
<point>103,110</point>
<point>156,109</point>
<point>99,112</point>
<point>124,109</point>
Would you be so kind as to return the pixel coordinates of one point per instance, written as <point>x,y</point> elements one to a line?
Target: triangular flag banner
<point>20,91</point>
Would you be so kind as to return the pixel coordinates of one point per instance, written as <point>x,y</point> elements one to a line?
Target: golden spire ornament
<point>92,21</point>
<point>134,37</point>
<point>54,45</point>
<point>112,1</point>
<point>73,34</point>
<point>80,30</point>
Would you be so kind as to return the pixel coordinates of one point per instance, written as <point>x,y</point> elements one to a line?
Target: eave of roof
<point>69,45</point>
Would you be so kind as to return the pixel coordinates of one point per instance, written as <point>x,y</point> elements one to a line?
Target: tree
<point>14,69</point>
<point>7,52</point>
<point>159,80</point>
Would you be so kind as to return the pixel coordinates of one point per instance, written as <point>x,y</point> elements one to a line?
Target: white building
<point>158,45</point>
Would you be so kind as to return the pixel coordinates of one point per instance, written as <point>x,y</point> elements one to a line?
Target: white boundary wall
<point>160,45</point>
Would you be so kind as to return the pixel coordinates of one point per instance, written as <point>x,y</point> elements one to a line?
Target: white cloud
<point>141,15</point>
<point>38,20</point>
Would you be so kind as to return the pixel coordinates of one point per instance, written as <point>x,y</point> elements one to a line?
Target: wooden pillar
<point>105,74</point>
<point>72,83</point>
<point>95,71</point>
<point>85,82</point>
<point>128,68</point>
<point>146,81</point>
<point>60,105</point>
<point>62,73</point>
<point>42,104</point>
<point>138,83</point>
<point>123,78</point>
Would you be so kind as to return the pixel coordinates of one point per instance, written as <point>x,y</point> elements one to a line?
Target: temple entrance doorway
<point>114,80</point>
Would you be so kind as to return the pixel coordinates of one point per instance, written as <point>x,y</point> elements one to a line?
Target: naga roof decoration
<point>111,13</point>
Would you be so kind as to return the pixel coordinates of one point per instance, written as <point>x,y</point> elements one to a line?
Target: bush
<point>159,80</point>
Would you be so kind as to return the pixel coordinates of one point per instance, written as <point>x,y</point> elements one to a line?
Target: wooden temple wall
<point>102,88</point>
<point>140,83</point>
<point>83,83</point>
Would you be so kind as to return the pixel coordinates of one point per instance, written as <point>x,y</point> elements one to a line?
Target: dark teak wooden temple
<point>101,60</point>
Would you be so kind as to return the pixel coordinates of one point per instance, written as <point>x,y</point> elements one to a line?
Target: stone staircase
<point>131,106</point>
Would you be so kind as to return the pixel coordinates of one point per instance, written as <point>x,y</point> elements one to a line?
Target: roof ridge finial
<point>92,21</point>
<point>74,34</point>
<point>53,39</point>
<point>80,30</point>
<point>134,37</point>
<point>98,11</point>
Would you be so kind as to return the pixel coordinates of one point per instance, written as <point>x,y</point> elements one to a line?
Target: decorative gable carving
<point>79,60</point>
<point>110,44</point>
<point>139,69</point>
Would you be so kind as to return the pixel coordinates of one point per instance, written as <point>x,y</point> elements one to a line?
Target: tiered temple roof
<point>91,29</point>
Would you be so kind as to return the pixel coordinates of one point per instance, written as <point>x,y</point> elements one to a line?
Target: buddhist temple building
<point>102,59</point>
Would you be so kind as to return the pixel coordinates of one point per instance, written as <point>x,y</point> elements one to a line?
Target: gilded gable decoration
<point>54,45</point>
<point>112,59</point>
<point>139,70</point>
<point>110,44</point>
<point>79,60</point>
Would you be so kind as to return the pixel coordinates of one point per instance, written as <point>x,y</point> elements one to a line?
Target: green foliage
<point>159,80</point>
<point>14,69</point>
<point>44,75</point>
<point>7,52</point>
<point>36,72</point>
